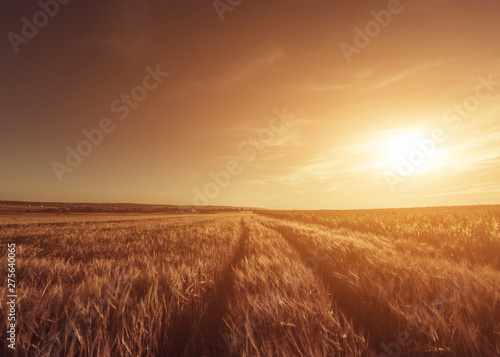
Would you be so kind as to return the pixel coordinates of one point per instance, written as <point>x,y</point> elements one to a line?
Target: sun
<point>402,143</point>
<point>408,152</point>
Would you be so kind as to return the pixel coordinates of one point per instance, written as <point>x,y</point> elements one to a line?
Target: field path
<point>366,313</point>
<point>212,324</point>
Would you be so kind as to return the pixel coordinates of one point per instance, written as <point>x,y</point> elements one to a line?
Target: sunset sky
<point>432,72</point>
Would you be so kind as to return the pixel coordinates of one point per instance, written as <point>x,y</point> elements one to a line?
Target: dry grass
<point>471,233</point>
<point>281,284</point>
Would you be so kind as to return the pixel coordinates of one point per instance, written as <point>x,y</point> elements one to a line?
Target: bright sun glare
<point>403,143</point>
<point>408,152</point>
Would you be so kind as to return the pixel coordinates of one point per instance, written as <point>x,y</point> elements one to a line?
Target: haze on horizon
<point>334,128</point>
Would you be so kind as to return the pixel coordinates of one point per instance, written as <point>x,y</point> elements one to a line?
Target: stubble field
<point>415,282</point>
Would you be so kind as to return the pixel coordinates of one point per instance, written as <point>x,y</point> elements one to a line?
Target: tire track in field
<point>212,324</point>
<point>368,316</point>
<point>190,338</point>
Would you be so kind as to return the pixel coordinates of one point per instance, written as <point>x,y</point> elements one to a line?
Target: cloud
<point>415,72</point>
<point>236,70</point>
<point>478,149</point>
<point>253,64</point>
<point>335,87</point>
<point>345,165</point>
<point>487,188</point>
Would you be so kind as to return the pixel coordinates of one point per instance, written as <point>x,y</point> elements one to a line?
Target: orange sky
<point>434,66</point>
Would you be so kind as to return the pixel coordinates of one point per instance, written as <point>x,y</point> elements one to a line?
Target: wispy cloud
<point>479,149</point>
<point>404,75</point>
<point>335,167</point>
<point>487,188</point>
<point>253,64</point>
<point>330,88</point>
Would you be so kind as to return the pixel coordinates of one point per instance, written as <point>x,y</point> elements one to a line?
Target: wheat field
<point>407,282</point>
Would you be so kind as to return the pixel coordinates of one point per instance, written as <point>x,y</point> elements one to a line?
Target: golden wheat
<point>294,283</point>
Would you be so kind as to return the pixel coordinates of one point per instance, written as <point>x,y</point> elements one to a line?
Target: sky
<point>303,104</point>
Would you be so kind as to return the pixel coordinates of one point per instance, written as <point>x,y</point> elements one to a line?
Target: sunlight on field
<point>277,283</point>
